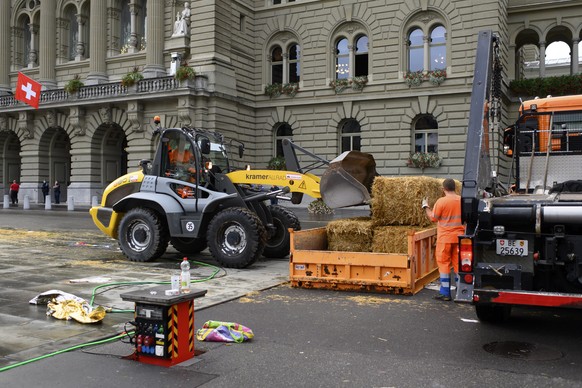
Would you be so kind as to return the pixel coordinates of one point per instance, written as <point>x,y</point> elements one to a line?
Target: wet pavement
<point>59,249</point>
<point>303,338</point>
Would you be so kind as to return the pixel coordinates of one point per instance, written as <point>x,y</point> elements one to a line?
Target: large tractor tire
<point>278,245</point>
<point>236,237</point>
<point>492,313</point>
<point>188,245</point>
<point>142,235</point>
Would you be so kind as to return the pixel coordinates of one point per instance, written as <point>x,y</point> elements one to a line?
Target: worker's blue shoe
<point>442,297</point>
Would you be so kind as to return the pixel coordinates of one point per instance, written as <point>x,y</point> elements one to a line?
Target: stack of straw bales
<point>396,210</point>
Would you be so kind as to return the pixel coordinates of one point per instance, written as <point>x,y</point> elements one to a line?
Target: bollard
<point>71,203</point>
<point>47,202</point>
<point>94,201</point>
<point>26,205</point>
<point>6,201</point>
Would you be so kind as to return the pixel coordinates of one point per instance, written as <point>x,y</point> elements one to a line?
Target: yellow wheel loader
<point>191,196</point>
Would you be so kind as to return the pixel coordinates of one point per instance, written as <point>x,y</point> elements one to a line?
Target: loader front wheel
<point>283,219</point>
<point>236,237</point>
<point>142,235</point>
<point>188,245</point>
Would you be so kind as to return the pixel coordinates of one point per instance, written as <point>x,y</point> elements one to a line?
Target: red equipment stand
<point>164,332</point>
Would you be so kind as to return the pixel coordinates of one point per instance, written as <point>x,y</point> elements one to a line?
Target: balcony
<point>113,92</point>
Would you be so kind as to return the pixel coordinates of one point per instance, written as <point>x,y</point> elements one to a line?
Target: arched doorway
<point>10,160</point>
<point>55,147</point>
<point>114,155</point>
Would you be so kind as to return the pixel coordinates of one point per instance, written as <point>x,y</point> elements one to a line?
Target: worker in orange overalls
<point>447,213</point>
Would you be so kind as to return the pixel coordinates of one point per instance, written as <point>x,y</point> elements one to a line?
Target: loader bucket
<point>348,180</point>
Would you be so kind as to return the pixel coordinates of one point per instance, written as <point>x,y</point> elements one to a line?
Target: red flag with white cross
<point>27,90</point>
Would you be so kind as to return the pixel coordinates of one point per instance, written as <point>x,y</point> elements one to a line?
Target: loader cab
<point>214,153</point>
<point>179,160</point>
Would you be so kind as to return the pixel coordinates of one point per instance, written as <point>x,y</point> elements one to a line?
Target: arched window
<point>361,61</point>
<point>426,138</point>
<point>416,50</point>
<point>294,63</point>
<point>426,46</point>
<point>351,56</point>
<point>71,17</point>
<point>351,136</point>
<point>284,63</point>
<point>140,28</point>
<point>342,59</point>
<point>284,131</point>
<point>277,65</point>
<point>26,41</point>
<point>125,28</point>
<point>437,48</point>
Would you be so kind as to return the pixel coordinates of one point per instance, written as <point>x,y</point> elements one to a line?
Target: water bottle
<point>185,276</point>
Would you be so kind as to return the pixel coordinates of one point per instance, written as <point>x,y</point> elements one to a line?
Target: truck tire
<point>492,313</point>
<point>188,245</point>
<point>278,245</point>
<point>142,235</point>
<point>236,237</point>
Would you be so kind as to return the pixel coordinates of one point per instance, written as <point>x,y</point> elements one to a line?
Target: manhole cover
<point>522,350</point>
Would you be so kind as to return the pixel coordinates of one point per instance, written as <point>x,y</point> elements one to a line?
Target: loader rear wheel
<point>236,237</point>
<point>188,245</point>
<point>142,235</point>
<point>492,314</point>
<point>283,219</point>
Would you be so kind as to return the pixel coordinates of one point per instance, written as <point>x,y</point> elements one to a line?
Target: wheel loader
<point>191,196</point>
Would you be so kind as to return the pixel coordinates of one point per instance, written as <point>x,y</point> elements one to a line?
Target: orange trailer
<point>311,265</point>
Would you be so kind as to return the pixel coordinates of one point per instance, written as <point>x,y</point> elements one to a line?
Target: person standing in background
<point>57,192</point>
<point>14,187</point>
<point>45,190</point>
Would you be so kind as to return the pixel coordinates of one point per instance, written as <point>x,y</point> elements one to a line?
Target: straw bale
<point>392,239</point>
<point>350,235</point>
<point>397,200</point>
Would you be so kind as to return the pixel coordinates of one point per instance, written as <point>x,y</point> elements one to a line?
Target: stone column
<point>47,43</point>
<point>98,43</point>
<point>5,47</point>
<point>286,68</point>
<point>351,62</point>
<point>133,43</point>
<point>574,57</point>
<point>542,58</point>
<point>80,49</point>
<point>155,40</point>
<point>426,53</point>
<point>512,72</point>
<point>33,54</point>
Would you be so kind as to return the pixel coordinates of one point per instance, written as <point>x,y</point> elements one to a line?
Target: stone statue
<point>182,23</point>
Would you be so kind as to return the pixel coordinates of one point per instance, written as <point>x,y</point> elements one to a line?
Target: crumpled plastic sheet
<point>62,305</point>
<point>217,331</point>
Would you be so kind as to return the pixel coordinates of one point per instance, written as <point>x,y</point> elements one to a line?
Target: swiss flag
<point>27,90</point>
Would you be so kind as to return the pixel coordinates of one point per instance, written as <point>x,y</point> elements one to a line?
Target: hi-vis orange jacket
<point>447,214</point>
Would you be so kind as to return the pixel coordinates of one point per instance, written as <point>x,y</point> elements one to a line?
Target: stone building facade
<point>340,75</point>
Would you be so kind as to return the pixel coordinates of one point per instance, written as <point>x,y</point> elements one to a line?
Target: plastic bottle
<point>185,276</point>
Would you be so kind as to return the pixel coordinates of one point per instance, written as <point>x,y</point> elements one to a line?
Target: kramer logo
<point>257,176</point>
<point>265,176</point>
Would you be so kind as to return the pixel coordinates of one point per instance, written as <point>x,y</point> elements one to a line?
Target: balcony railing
<point>110,90</point>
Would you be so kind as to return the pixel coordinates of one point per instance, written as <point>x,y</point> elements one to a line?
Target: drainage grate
<point>522,351</point>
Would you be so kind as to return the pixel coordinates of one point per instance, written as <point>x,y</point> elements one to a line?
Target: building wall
<point>228,45</point>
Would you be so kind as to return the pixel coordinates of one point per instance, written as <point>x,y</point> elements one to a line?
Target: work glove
<point>425,202</point>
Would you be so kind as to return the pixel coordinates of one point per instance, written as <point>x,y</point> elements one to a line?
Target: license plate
<point>507,247</point>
